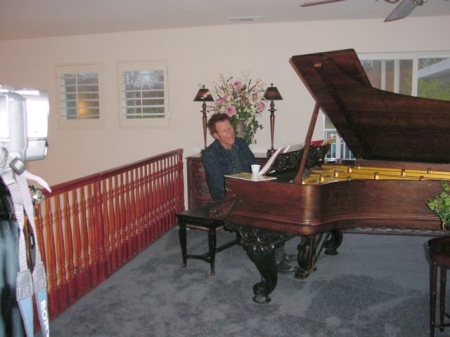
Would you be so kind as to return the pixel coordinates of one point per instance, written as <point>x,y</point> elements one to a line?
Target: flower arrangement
<point>440,205</point>
<point>241,100</point>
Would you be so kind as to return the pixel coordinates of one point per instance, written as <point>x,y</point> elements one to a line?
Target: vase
<point>241,127</point>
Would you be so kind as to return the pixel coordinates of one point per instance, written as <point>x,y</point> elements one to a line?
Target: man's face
<point>224,134</point>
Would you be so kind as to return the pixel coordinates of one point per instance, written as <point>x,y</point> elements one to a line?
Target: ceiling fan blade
<point>319,2</point>
<point>404,8</point>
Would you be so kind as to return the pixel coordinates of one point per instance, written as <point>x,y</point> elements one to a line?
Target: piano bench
<point>198,219</point>
<point>439,252</point>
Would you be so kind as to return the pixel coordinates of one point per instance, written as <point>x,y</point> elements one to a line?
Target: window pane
<point>434,78</point>
<point>79,96</point>
<point>390,75</point>
<point>143,94</point>
<point>388,72</point>
<point>405,77</point>
<point>373,71</point>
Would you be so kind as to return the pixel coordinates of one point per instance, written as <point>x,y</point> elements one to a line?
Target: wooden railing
<point>89,227</point>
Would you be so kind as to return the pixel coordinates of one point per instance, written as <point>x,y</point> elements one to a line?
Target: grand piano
<point>402,146</point>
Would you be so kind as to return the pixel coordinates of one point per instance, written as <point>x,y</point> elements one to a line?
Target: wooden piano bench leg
<point>182,237</point>
<point>439,253</point>
<point>199,219</point>
<point>212,249</point>
<point>205,226</point>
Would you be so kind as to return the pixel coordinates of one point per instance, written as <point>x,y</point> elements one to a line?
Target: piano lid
<point>375,124</point>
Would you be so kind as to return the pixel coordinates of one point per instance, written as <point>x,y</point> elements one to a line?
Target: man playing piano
<point>226,155</point>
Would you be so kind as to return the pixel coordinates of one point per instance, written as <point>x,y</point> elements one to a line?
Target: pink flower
<point>245,101</point>
<point>221,100</point>
<point>261,106</point>
<point>230,111</point>
<point>237,86</point>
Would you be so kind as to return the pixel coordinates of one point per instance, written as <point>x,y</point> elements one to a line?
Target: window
<point>79,95</point>
<point>416,74</point>
<point>434,78</point>
<point>143,94</point>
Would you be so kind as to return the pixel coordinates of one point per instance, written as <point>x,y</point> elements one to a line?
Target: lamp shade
<point>272,94</point>
<point>200,97</point>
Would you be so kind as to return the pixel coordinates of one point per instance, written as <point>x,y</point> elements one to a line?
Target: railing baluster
<point>92,235</point>
<point>109,215</point>
<point>133,214</point>
<point>117,221</point>
<point>89,227</point>
<point>86,253</point>
<point>61,251</point>
<point>68,243</point>
<point>100,242</point>
<point>78,264</point>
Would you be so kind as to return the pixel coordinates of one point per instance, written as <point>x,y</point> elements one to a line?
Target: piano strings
<point>330,173</point>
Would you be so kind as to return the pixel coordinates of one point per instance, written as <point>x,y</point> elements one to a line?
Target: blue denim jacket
<point>218,162</point>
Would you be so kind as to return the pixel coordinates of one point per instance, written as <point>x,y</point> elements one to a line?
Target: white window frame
<point>140,66</point>
<point>77,69</point>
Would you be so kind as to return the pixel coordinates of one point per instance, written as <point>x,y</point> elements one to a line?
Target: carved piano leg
<point>266,265</point>
<point>260,245</point>
<point>310,248</point>
<point>307,255</point>
<point>333,241</point>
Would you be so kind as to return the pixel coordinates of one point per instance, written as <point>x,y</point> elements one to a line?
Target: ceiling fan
<point>404,8</point>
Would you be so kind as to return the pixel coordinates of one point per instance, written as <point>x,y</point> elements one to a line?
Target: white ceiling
<point>22,19</point>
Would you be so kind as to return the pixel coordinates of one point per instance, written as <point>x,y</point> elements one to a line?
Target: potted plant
<point>440,205</point>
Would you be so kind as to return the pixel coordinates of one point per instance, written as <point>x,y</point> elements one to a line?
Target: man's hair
<point>217,117</point>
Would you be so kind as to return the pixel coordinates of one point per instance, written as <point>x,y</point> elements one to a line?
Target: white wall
<point>196,56</point>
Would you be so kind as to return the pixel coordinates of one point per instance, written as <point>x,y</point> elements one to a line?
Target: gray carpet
<point>376,286</point>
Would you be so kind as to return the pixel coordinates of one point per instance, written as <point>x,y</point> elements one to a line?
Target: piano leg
<point>307,255</point>
<point>333,241</point>
<point>266,265</point>
<point>260,245</point>
<point>310,248</point>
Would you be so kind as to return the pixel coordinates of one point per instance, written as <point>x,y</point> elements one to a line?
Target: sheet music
<point>272,158</point>
<point>251,177</point>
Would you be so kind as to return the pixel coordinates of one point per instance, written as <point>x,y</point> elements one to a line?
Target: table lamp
<point>272,94</point>
<point>204,96</point>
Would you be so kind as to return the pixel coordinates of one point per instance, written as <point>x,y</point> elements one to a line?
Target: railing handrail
<point>58,188</point>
